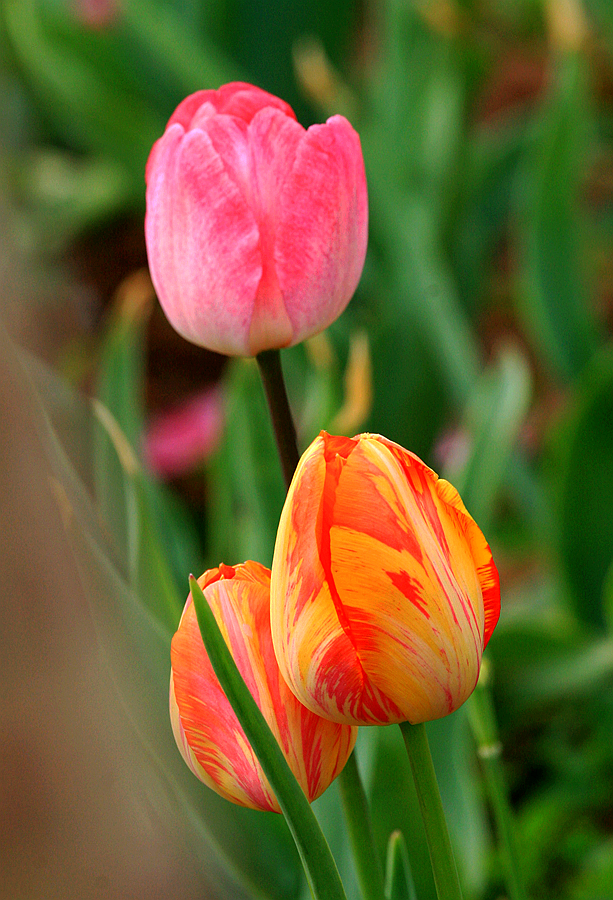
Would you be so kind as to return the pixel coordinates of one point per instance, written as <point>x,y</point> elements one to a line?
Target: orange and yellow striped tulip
<point>384,592</point>
<point>204,724</point>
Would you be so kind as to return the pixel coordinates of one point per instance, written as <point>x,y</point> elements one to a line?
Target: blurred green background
<point>479,338</point>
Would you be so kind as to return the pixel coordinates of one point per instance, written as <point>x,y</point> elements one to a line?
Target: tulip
<point>383,592</point>
<point>256,228</point>
<point>204,724</point>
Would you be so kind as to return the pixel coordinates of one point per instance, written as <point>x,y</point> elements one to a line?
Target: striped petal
<point>205,726</point>
<point>383,591</point>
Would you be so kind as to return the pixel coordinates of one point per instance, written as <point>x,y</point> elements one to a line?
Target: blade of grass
<point>320,868</point>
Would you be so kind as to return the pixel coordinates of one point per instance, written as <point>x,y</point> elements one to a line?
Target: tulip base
<point>441,854</point>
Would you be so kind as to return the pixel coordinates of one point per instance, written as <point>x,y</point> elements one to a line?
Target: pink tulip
<point>180,438</point>
<point>256,228</point>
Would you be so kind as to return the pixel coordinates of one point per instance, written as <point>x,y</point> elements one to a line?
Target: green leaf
<point>460,786</point>
<point>155,539</point>
<point>582,476</point>
<point>485,188</point>
<point>135,510</point>
<point>574,674</point>
<point>495,412</point>
<point>246,485</point>
<point>314,852</point>
<point>554,300</point>
<point>188,59</point>
<point>398,878</point>
<point>85,97</point>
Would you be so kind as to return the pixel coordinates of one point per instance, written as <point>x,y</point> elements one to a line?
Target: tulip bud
<point>383,589</point>
<point>256,228</point>
<point>205,726</point>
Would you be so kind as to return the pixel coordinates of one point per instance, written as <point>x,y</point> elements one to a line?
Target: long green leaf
<point>554,299</point>
<point>398,877</point>
<point>582,483</point>
<point>246,487</point>
<point>314,852</point>
<point>94,111</point>
<point>495,413</point>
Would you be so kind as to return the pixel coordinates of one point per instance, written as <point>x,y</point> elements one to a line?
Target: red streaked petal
<point>205,726</point>
<point>383,589</point>
<point>482,555</point>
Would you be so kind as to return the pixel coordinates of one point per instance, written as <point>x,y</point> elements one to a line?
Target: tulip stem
<point>357,815</point>
<point>441,854</point>
<point>269,362</point>
<point>489,749</point>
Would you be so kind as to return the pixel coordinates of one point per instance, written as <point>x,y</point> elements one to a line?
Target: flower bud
<point>204,724</point>
<point>256,228</point>
<point>383,592</point>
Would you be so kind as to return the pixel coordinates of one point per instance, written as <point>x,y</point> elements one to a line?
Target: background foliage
<point>480,338</point>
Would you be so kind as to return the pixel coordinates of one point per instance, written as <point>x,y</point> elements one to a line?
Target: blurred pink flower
<point>180,438</point>
<point>96,13</point>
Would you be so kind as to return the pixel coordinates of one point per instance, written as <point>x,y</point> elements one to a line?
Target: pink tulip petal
<point>96,13</point>
<point>196,216</point>
<point>187,109</point>
<point>230,138</point>
<point>245,100</point>
<point>234,99</point>
<point>322,227</point>
<point>274,142</point>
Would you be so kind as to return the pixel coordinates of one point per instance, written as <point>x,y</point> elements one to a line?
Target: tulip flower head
<point>384,592</point>
<point>204,724</point>
<point>256,228</point>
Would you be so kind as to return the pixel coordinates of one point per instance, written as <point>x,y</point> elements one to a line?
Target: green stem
<point>269,362</point>
<point>357,816</point>
<point>317,860</point>
<point>489,749</point>
<point>441,855</point>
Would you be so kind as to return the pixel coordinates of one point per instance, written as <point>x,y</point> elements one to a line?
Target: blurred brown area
<point>79,810</point>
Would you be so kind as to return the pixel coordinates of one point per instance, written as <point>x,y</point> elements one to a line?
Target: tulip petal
<point>244,100</point>
<point>187,109</point>
<point>274,140</point>
<point>256,229</point>
<point>234,99</point>
<point>180,438</point>
<point>322,226</point>
<point>206,729</point>
<point>203,242</point>
<point>210,738</point>
<point>482,555</point>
